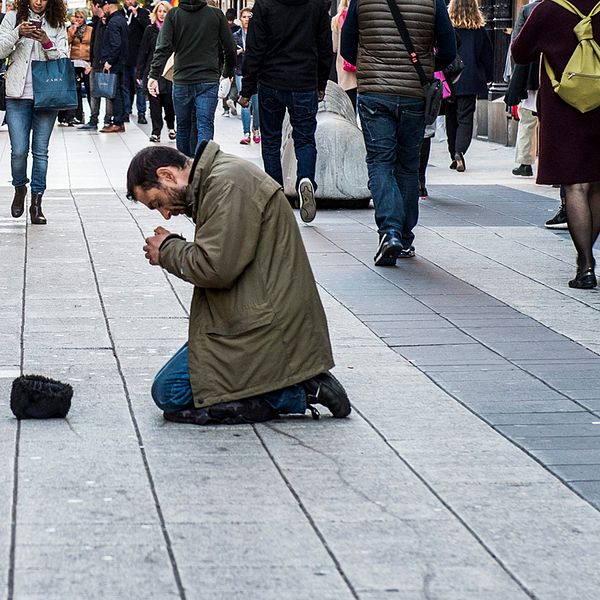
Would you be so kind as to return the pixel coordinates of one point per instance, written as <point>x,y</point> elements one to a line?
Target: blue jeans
<point>172,391</point>
<point>393,128</point>
<point>119,101</point>
<point>302,108</point>
<point>202,97</point>
<point>246,111</point>
<point>24,123</point>
<point>133,88</point>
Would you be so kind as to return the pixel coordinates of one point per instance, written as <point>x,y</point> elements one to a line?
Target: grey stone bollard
<point>341,172</point>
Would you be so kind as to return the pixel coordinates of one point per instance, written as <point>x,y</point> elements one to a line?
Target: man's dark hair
<point>230,14</point>
<point>142,170</point>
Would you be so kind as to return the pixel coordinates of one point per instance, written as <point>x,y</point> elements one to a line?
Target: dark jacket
<point>256,320</point>
<point>238,38</point>
<point>137,26</point>
<point>145,59</point>
<point>198,35</point>
<point>478,58</point>
<point>289,46</point>
<point>115,42</point>
<point>371,41</point>
<point>98,28</point>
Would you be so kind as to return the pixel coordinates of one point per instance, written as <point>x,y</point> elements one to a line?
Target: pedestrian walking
<point>288,59</point>
<point>80,39</point>
<point>198,35</point>
<point>391,106</point>
<point>138,19</point>
<point>249,113</point>
<point>164,99</point>
<point>35,30</point>
<point>478,58</point>
<point>258,343</point>
<point>113,57</point>
<point>568,134</point>
<point>346,72</point>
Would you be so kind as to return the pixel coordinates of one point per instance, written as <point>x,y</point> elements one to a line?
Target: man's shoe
<point>126,119</point>
<point>389,249</point>
<point>114,128</point>
<point>142,120</point>
<point>453,165</point>
<point>232,108</point>
<point>88,127</point>
<point>523,171</point>
<point>460,162</point>
<point>559,220</point>
<point>155,138</point>
<point>237,412</point>
<point>423,195</point>
<point>326,390</point>
<point>308,205</point>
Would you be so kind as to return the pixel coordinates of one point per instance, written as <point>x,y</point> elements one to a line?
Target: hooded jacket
<point>198,34</point>
<point>256,321</point>
<point>288,46</point>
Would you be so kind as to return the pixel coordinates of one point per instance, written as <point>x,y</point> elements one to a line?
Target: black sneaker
<point>523,171</point>
<point>423,194</point>
<point>326,390</point>
<point>142,120</point>
<point>389,249</point>
<point>559,220</point>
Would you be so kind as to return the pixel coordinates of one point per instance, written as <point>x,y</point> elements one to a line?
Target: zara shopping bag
<point>54,84</point>
<point>104,85</point>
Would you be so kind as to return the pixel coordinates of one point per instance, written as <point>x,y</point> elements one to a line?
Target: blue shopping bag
<point>54,84</point>
<point>104,85</point>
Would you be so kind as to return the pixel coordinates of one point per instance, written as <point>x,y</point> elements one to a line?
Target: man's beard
<point>178,200</point>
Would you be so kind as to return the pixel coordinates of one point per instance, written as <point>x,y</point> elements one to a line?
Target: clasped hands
<point>153,244</point>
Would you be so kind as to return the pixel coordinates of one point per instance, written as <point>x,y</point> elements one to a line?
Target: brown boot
<point>18,204</point>
<point>35,210</point>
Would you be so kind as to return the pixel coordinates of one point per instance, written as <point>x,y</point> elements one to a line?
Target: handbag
<point>433,88</point>
<point>53,84</point>
<point>105,85</point>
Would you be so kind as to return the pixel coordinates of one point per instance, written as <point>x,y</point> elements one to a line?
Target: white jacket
<point>20,50</point>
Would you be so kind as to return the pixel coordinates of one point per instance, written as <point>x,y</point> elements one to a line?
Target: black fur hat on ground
<point>38,397</point>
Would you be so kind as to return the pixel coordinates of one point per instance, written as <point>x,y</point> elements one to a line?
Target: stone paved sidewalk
<point>470,468</point>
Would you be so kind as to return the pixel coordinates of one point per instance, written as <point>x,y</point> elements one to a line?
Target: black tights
<point>583,217</point>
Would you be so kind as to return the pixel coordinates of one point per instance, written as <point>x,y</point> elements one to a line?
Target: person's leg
<point>206,100</point>
<point>42,124</point>
<point>524,154</point>
<point>156,114</point>
<point>594,201</point>
<point>167,103</point>
<point>118,102</point>
<point>409,134</point>
<point>129,89</point>
<point>465,110</point>
<point>289,400</point>
<point>183,103</point>
<point>19,117</point>
<point>579,217</point>
<point>245,110</point>
<point>88,90</point>
<point>171,389</point>
<point>272,113</point>
<point>94,103</point>
<point>451,129</point>
<point>255,113</point>
<point>424,160</point>
<point>352,95</point>
<point>140,98</point>
<point>302,108</point>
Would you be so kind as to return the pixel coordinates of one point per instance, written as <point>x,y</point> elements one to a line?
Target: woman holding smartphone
<point>35,30</point>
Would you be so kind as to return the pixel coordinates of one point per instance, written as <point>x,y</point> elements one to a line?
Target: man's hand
<point>243,102</point>
<point>107,66</point>
<point>153,87</point>
<point>134,10</point>
<point>151,249</point>
<point>321,95</point>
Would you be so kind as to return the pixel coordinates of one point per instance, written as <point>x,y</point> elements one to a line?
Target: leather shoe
<point>142,120</point>
<point>584,280</point>
<point>325,389</point>
<point>114,128</point>
<point>389,249</point>
<point>18,204</point>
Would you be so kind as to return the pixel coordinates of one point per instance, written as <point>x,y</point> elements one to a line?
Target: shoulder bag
<point>53,84</point>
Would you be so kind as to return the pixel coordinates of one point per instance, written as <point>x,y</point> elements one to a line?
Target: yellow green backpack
<point>579,85</point>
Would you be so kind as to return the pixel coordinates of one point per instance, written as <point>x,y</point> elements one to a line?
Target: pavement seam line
<point>161,518</point>
<point>308,516</point>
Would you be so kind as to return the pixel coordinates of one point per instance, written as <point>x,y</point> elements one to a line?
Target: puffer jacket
<point>20,50</point>
<point>256,321</point>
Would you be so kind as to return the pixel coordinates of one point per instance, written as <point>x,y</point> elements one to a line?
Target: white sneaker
<point>308,206</point>
<point>232,108</point>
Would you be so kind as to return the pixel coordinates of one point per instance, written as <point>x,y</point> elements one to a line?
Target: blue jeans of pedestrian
<point>246,111</point>
<point>202,97</point>
<point>120,99</point>
<point>25,124</point>
<point>393,128</point>
<point>172,391</point>
<point>302,108</point>
<point>133,88</point>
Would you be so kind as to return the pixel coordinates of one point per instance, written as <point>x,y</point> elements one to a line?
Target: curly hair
<point>56,12</point>
<point>465,14</point>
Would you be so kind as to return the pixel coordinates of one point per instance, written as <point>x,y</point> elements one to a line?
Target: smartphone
<point>36,24</point>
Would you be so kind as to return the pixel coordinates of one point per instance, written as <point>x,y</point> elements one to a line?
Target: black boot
<point>35,210</point>
<point>18,204</point>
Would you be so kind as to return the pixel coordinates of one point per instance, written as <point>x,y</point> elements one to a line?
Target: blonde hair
<point>81,12</point>
<point>155,9</point>
<point>342,6</point>
<point>465,14</point>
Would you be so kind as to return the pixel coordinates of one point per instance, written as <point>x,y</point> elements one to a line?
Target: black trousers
<point>459,123</point>
<point>157,104</point>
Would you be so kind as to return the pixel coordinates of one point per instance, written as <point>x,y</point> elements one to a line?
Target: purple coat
<point>568,139</point>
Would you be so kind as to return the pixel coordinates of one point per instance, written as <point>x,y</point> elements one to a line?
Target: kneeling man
<point>258,344</point>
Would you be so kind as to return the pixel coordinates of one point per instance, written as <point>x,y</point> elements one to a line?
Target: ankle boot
<point>35,210</point>
<point>18,204</point>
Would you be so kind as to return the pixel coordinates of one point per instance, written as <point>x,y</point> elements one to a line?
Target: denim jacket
<point>20,50</point>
